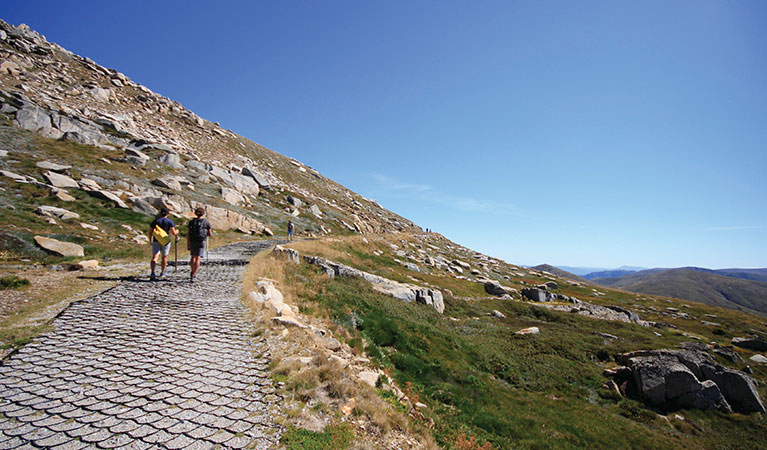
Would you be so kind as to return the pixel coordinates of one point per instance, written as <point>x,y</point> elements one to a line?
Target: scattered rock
<point>62,195</point>
<point>14,176</point>
<point>495,288</point>
<point>172,160</point>
<point>411,266</point>
<point>257,176</point>
<point>314,209</point>
<point>498,314</point>
<point>47,165</point>
<point>760,359</point>
<point>751,343</point>
<point>288,322</point>
<point>88,264</point>
<point>60,181</point>
<point>59,248</point>
<point>538,295</point>
<point>106,195</point>
<point>551,285</point>
<point>167,183</point>
<point>369,378</point>
<point>294,201</point>
<point>59,213</point>
<point>88,184</point>
<point>530,330</point>
<point>231,196</point>
<point>287,253</point>
<point>88,226</point>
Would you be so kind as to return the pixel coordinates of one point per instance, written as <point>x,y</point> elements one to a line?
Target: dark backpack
<point>197,230</point>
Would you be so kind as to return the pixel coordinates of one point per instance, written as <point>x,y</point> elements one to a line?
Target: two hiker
<point>160,232</point>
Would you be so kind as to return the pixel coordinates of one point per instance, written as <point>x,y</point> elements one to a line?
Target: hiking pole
<point>176,263</point>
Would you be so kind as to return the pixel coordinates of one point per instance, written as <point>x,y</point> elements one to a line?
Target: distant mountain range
<point>559,272</point>
<point>741,289</point>
<point>581,271</point>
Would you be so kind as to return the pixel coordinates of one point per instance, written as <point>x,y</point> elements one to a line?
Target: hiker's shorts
<point>157,248</point>
<point>197,248</point>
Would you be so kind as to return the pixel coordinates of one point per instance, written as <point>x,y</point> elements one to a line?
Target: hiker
<point>199,230</point>
<point>291,228</point>
<point>161,228</point>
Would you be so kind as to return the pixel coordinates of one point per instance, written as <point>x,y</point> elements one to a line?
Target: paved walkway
<point>165,364</point>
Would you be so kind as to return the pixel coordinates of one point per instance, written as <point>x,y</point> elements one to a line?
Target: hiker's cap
<point>164,211</point>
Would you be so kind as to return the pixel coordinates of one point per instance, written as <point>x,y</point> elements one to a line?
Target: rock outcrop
<point>686,378</point>
<point>401,291</point>
<point>751,343</point>
<point>538,295</point>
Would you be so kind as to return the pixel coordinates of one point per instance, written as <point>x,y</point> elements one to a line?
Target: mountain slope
<point>559,272</point>
<point>126,143</point>
<point>608,274</point>
<point>696,285</point>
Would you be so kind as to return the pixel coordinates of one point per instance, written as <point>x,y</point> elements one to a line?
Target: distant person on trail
<point>160,235</point>
<point>291,228</point>
<point>199,230</point>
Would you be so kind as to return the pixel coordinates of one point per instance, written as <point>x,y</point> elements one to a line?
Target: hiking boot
<point>191,278</point>
<point>162,275</point>
<point>152,277</point>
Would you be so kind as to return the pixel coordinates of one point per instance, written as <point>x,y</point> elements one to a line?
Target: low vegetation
<point>487,387</point>
<point>13,282</point>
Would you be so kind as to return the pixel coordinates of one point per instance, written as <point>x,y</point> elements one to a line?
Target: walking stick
<point>176,263</point>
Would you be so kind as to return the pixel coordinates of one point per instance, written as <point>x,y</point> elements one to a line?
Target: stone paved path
<point>165,364</point>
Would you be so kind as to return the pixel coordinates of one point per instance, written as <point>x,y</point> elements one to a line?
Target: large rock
<point>60,181</point>
<point>401,291</point>
<point>168,183</point>
<point>687,378</point>
<point>538,295</point>
<point>142,205</point>
<point>752,343</point>
<point>32,117</point>
<point>237,181</point>
<point>314,209</point>
<point>58,213</point>
<point>231,196</point>
<point>262,181</point>
<point>106,195</point>
<point>93,138</point>
<point>294,201</point>
<point>172,160</point>
<point>495,288</point>
<point>59,248</point>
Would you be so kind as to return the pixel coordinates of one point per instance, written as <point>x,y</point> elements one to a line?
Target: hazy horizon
<point>594,133</point>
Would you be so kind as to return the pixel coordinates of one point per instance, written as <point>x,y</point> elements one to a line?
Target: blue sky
<point>593,133</point>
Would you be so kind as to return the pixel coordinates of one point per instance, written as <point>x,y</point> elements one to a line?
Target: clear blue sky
<point>589,133</point>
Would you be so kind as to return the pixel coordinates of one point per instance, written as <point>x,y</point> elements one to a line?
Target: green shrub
<point>13,282</point>
<point>335,437</point>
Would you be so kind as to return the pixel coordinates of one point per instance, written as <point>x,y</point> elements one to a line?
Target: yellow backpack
<point>160,235</point>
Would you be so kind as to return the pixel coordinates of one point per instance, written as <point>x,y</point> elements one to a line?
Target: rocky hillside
<point>135,149</point>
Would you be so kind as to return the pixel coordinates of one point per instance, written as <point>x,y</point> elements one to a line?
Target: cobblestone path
<point>165,364</point>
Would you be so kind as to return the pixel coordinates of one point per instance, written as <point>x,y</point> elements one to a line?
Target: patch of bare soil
<point>24,312</point>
